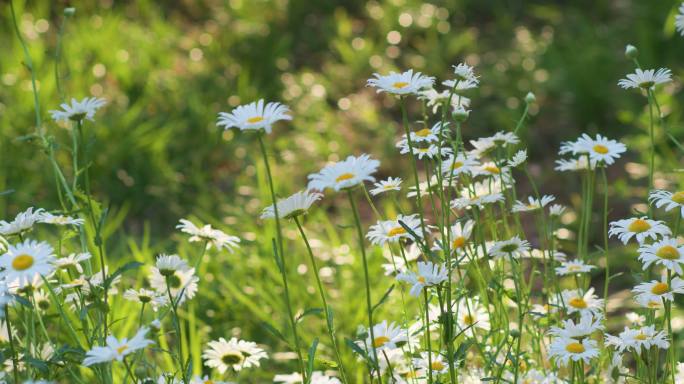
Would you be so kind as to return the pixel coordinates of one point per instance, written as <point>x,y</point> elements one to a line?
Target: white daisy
<point>117,350</point>
<point>580,164</point>
<point>435,362</point>
<point>649,301</point>
<point>254,116</point>
<point>397,264</point>
<point>470,316</point>
<point>145,296</point>
<point>573,267</point>
<point>641,228</point>
<point>637,339</point>
<point>459,233</point>
<point>679,26</point>
<point>459,164</point>
<point>235,354</point>
<point>635,319</point>
<point>556,210</point>
<point>23,222</point>
<point>391,230</point>
<point>665,252</point>
<point>585,303</point>
<point>660,289</point>
<point>519,158</point>
<point>587,325</point>
<point>429,274</point>
<point>532,203</point>
<point>514,247</point>
<point>344,174</point>
<point>463,71</point>
<point>477,201</point>
<point>667,199</point>
<point>563,349</point>
<point>391,184</point>
<point>49,218</point>
<point>430,151</point>
<point>600,149</point>
<point>78,110</point>
<point>387,336</point>
<point>293,206</point>
<point>401,83</point>
<point>204,380</point>
<point>436,100</point>
<point>24,262</point>
<point>182,282</point>
<point>212,236</point>
<point>73,260</point>
<point>646,79</point>
<point>429,135</point>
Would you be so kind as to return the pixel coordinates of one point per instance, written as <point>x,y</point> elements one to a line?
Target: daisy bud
<point>461,115</point>
<point>631,52</point>
<point>530,98</point>
<point>69,11</point>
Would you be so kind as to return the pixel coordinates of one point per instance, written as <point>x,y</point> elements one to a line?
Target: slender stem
<point>279,237</point>
<point>326,308</point>
<point>369,305</point>
<point>651,166</point>
<point>605,239</point>
<point>13,350</point>
<point>668,313</point>
<point>414,167</point>
<point>427,335</point>
<point>176,324</point>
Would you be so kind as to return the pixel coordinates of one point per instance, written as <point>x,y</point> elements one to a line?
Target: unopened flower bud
<point>530,98</point>
<point>631,52</point>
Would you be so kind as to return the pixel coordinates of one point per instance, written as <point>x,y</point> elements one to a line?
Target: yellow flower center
<point>344,176</point>
<point>458,242</point>
<point>660,288</point>
<point>122,349</point>
<point>232,358</point>
<point>578,302</point>
<point>574,268</point>
<point>380,341</point>
<point>421,279</point>
<point>602,149</point>
<point>400,84</point>
<point>22,262</point>
<point>639,225</point>
<point>423,132</point>
<point>255,119</point>
<point>423,150</point>
<point>653,304</point>
<point>668,252</point>
<point>678,197</point>
<point>469,320</point>
<point>641,336</point>
<point>456,165</point>
<point>575,348</point>
<point>396,231</point>
<point>437,366</point>
<point>492,169</point>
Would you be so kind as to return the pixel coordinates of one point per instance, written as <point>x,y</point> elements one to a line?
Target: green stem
<point>369,305</point>
<point>427,335</point>
<point>279,237</point>
<point>326,309</point>
<point>13,350</point>
<point>414,167</point>
<point>605,239</point>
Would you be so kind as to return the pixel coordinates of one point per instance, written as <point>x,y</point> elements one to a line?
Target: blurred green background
<point>168,67</point>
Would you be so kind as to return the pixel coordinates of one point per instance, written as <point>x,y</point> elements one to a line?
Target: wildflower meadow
<point>387,236</point>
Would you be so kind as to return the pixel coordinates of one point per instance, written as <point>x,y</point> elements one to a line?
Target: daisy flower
<point>146,296</point>
<point>23,222</point>
<point>182,282</point>
<point>212,236</point>
<point>570,165</point>
<point>23,262</point>
<point>429,135</point>
<point>401,83</point>
<point>391,184</point>
<point>49,218</point>
<point>679,26</point>
<point>387,336</point>
<point>459,164</point>
<point>431,151</point>
<point>293,206</point>
<point>78,110</point>
<point>519,158</point>
<point>588,302</point>
<point>556,210</point>
<point>587,325</point>
<point>436,100</point>
<point>459,233</point>
<point>601,149</point>
<point>649,301</point>
<point>435,362</point>
<point>344,174</point>
<point>254,116</point>
<point>117,350</point>
<point>573,267</point>
<point>660,290</point>
<point>397,264</point>
<point>564,349</point>
<point>429,274</point>
<point>391,230</point>
<point>205,380</point>
<point>235,354</point>
<point>641,228</point>
<point>513,247</point>
<point>636,339</point>
<point>635,319</point>
<point>532,203</point>
<point>168,264</point>
<point>667,199</point>
<point>476,201</point>
<point>471,315</point>
<point>73,260</point>
<point>646,79</point>
<point>665,252</point>
<point>463,72</point>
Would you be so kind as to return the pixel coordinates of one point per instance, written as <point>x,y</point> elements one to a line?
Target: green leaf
<point>309,312</point>
<point>274,331</point>
<point>383,298</point>
<point>312,358</point>
<point>126,267</point>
